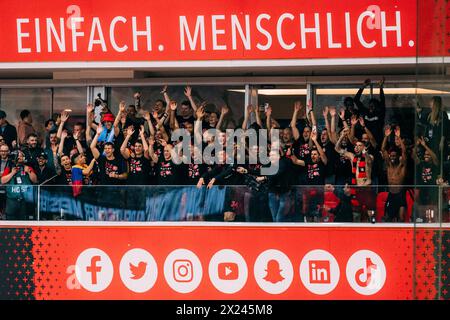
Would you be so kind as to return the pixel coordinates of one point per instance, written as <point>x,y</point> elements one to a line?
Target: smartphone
<point>266,106</point>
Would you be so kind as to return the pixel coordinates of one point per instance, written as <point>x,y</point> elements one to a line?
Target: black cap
<point>42,155</point>
<point>2,114</point>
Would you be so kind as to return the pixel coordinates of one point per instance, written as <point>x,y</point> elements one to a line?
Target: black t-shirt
<point>64,178</point>
<point>117,165</point>
<point>193,172</point>
<point>182,121</point>
<point>426,174</point>
<point>315,172</point>
<point>139,171</point>
<point>167,172</point>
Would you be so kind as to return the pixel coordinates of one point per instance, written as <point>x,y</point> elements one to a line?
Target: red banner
<point>84,30</point>
<point>221,263</point>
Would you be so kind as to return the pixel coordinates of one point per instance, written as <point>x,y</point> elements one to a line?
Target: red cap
<point>108,117</point>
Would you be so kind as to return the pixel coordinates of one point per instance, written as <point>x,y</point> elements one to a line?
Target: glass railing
<point>255,203</point>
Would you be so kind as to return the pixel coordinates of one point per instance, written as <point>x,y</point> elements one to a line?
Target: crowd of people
<point>354,154</point>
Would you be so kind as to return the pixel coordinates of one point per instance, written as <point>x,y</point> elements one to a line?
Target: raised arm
<point>311,117</point>
<point>351,135</point>
<point>148,119</point>
<point>387,133</point>
<point>89,168</point>
<point>247,114</point>
<point>61,143</point>
<point>322,154</point>
<point>325,112</point>
<point>258,117</point>
<point>188,94</point>
<point>63,120</point>
<point>338,148</point>
<point>123,148</point>
<point>357,98</point>
<point>93,146</point>
<point>144,141</point>
<point>151,151</point>
<point>433,156</point>
<point>77,142</point>
<point>90,118</point>
<point>200,113</point>
<point>297,107</point>
<point>118,118</point>
<point>402,145</point>
<point>372,140</point>
<point>223,112</point>
<point>166,96</point>
<point>173,119</point>
<point>333,134</point>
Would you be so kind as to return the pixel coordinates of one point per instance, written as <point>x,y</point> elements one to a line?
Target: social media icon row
<point>228,272</point>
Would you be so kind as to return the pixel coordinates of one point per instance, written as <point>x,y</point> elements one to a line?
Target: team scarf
<point>361,166</point>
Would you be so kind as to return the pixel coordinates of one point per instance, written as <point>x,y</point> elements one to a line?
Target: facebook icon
<point>94,270</point>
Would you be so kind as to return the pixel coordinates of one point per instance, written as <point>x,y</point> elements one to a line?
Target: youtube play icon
<point>228,271</point>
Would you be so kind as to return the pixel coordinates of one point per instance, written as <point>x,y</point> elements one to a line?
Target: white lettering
<point>216,32</point>
<point>235,25</point>
<point>37,30</point>
<point>331,44</point>
<point>76,21</point>
<point>96,26</point>
<point>397,28</point>
<point>21,35</point>
<point>199,28</point>
<point>264,32</point>
<point>304,30</point>
<point>146,32</point>
<point>283,44</point>
<point>59,38</point>
<point>111,34</point>
<point>359,30</point>
<point>348,34</point>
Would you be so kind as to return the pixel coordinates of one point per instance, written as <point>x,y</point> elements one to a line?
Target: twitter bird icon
<point>138,271</point>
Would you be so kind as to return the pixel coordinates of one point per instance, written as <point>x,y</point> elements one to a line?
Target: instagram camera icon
<point>182,271</point>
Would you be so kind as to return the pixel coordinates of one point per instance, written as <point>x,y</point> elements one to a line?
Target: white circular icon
<point>228,271</point>
<point>183,270</point>
<point>273,271</point>
<point>319,272</point>
<point>366,272</point>
<point>94,270</point>
<point>138,270</point>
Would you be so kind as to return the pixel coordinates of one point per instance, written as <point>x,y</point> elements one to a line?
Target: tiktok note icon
<point>366,272</point>
<point>273,271</point>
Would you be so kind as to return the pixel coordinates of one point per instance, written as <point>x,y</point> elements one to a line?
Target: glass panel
<point>38,101</point>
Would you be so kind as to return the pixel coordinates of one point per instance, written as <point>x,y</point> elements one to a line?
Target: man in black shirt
<point>138,160</point>
<point>32,150</point>
<point>7,131</point>
<point>113,171</point>
<point>44,172</point>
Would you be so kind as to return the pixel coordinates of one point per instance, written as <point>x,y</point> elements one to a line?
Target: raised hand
<point>361,122</point>
<point>63,135</point>
<point>99,128</point>
<point>345,131</point>
<point>314,135</point>
<point>309,105</point>
<point>122,107</point>
<point>173,105</point>
<point>367,82</point>
<point>188,91</point>
<point>155,115</point>
<point>387,130</point>
<point>298,106</point>
<point>342,114</point>
<point>147,116</point>
<point>353,120</point>
<point>325,111</point>
<point>397,131</point>
<point>141,130</point>
<point>381,82</point>
<point>249,109</point>
<point>225,110</point>
<point>89,108</point>
<point>151,141</point>
<point>164,89</point>
<point>269,111</point>
<point>64,116</point>
<point>162,142</point>
<point>137,95</point>
<point>130,131</point>
<point>200,112</point>
<point>332,110</point>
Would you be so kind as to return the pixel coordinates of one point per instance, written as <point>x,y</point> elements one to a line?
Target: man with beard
<point>138,159</point>
<point>51,150</point>
<point>44,171</point>
<point>32,150</point>
<point>64,178</point>
<point>395,207</point>
<point>113,171</point>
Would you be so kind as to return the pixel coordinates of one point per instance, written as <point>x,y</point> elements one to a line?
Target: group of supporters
<point>351,154</point>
